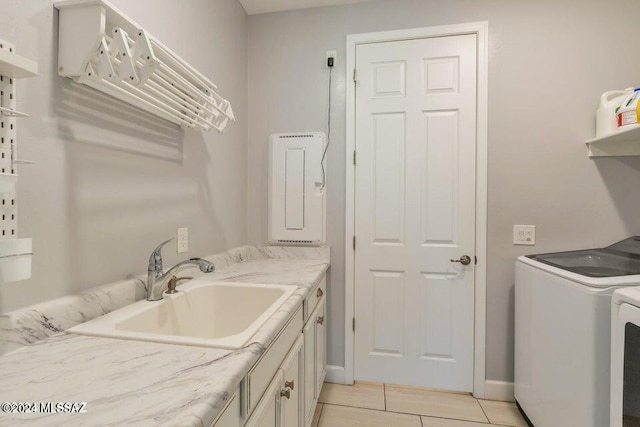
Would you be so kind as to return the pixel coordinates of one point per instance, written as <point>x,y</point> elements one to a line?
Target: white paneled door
<point>415,212</point>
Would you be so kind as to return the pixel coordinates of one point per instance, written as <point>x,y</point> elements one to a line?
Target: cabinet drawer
<point>260,376</point>
<point>230,416</point>
<point>311,301</point>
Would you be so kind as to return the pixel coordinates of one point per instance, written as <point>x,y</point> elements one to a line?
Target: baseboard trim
<point>493,390</point>
<point>498,390</point>
<point>335,374</point>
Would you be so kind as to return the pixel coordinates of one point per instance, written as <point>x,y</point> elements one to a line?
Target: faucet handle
<point>155,260</point>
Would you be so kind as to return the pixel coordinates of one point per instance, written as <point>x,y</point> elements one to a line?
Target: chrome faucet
<point>157,279</point>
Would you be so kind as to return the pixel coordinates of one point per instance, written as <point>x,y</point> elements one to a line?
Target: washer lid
<point>593,262</point>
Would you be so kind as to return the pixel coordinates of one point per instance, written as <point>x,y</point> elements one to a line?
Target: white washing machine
<point>625,358</point>
<point>563,332</point>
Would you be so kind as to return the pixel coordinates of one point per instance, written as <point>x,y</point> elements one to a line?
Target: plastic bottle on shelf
<point>606,120</point>
<point>628,113</point>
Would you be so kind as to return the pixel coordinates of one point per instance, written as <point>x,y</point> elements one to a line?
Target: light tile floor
<point>378,405</point>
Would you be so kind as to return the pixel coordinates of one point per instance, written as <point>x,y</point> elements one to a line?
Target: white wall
<point>549,62</point>
<point>110,182</point>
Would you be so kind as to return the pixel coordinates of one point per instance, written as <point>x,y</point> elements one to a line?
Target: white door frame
<point>481,29</point>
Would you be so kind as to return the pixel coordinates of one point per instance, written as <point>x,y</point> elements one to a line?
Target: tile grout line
<point>321,411</point>
<point>483,411</point>
<point>384,394</point>
<point>488,423</point>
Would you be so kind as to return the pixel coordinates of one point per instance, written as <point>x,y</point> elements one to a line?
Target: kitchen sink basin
<point>203,313</point>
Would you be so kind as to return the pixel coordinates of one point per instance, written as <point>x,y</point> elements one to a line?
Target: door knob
<point>320,320</point>
<point>319,293</point>
<point>289,384</point>
<point>464,260</point>
<point>285,393</point>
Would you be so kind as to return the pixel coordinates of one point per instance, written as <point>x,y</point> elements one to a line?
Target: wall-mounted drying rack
<point>15,254</point>
<point>99,46</point>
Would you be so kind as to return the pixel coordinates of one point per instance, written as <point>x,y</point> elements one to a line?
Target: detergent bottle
<point>628,113</point>
<point>606,119</point>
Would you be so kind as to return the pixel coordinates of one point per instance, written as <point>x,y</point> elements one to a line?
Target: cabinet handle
<point>290,384</point>
<point>285,393</point>
<point>319,293</point>
<point>320,320</point>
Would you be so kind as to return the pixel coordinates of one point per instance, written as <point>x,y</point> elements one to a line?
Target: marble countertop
<point>133,382</point>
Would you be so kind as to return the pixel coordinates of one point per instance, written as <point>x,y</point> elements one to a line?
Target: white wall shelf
<point>16,66</point>
<point>623,143</point>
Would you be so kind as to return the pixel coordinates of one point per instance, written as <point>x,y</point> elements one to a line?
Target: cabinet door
<point>309,371</point>
<point>230,416</point>
<point>267,413</point>
<point>321,347</point>
<point>292,389</point>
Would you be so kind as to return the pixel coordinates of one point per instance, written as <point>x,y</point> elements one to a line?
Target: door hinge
<point>355,75</point>
<point>354,324</point>
<point>354,158</point>
<point>354,243</point>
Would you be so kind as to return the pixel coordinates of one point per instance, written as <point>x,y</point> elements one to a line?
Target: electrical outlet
<point>332,54</point>
<point>524,235</point>
<point>183,240</point>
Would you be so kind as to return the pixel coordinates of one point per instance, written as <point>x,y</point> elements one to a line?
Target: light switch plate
<point>183,240</point>
<point>524,235</point>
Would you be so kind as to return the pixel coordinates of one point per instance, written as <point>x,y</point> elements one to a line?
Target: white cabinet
<point>309,369</point>
<point>280,405</point>
<point>321,347</point>
<point>266,413</point>
<point>264,370</point>
<point>230,416</point>
<point>283,387</point>
<point>315,360</point>
<point>292,392</point>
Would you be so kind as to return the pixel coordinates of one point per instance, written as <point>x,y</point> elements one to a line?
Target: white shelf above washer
<point>16,66</point>
<point>622,143</point>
